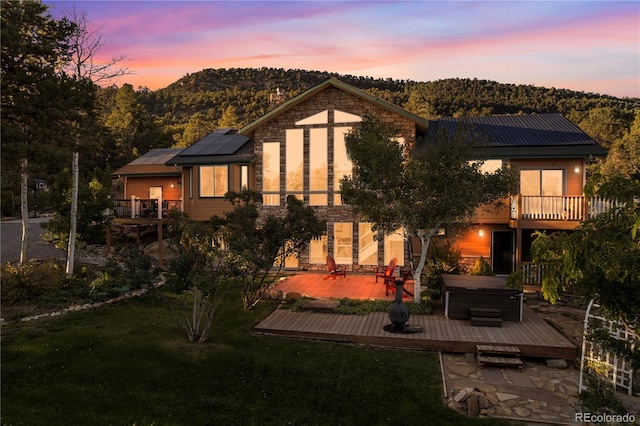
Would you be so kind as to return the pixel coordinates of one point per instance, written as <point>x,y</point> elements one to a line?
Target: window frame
<point>215,193</point>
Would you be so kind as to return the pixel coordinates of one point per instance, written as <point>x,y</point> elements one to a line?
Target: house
<point>220,162</point>
<point>147,179</point>
<point>298,149</point>
<point>550,154</point>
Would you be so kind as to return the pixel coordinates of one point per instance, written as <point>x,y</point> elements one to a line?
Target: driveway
<point>11,235</point>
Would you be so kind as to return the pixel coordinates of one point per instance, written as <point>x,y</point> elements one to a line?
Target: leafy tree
<point>229,118</point>
<point>434,187</point>
<point>93,200</point>
<point>198,127</point>
<point>38,99</point>
<point>600,259</point>
<point>255,245</point>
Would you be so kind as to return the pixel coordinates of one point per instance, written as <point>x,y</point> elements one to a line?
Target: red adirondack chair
<point>387,274</point>
<point>335,271</point>
<point>390,284</point>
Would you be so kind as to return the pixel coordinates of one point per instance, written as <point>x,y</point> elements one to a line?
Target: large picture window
<point>271,173</point>
<point>342,166</point>
<point>367,245</point>
<point>318,250</point>
<point>343,242</point>
<point>294,162</point>
<point>318,170</point>
<point>394,247</point>
<point>214,181</point>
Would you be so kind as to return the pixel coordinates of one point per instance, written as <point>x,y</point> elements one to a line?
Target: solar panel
<point>217,143</point>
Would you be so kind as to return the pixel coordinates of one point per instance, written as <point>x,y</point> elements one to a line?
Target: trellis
<point>619,371</point>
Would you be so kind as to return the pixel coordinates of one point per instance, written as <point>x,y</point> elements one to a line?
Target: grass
<point>130,363</point>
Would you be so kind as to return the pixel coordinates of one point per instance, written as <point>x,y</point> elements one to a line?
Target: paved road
<point>11,234</point>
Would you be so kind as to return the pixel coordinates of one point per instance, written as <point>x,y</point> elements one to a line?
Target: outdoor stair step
<point>498,350</point>
<point>485,312</point>
<point>486,322</point>
<point>502,361</point>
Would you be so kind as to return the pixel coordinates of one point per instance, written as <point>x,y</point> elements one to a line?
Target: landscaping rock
<point>557,363</point>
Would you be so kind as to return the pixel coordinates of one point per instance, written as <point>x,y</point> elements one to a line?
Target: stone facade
<point>331,99</point>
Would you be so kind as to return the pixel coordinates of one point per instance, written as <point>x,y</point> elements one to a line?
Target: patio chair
<point>387,274</point>
<point>390,284</point>
<point>335,271</point>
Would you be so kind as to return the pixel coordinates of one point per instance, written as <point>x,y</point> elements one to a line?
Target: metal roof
<point>222,146</point>
<point>534,135</point>
<point>151,163</point>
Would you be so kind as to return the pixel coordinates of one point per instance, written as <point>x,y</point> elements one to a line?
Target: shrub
<point>27,282</point>
<point>516,280</point>
<point>132,270</point>
<point>481,267</point>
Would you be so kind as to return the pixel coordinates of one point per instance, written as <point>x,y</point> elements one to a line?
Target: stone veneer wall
<point>274,131</point>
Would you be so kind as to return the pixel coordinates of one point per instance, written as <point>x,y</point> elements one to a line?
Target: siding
<point>139,186</point>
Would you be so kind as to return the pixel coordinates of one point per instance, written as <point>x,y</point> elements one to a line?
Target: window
<point>318,250</point>
<point>342,166</point>
<point>542,192</point>
<point>394,247</point>
<point>214,181</point>
<point>343,242</point>
<point>367,245</point>
<point>489,166</point>
<point>318,169</point>
<point>294,162</point>
<point>271,173</point>
<point>542,182</point>
<point>244,177</point>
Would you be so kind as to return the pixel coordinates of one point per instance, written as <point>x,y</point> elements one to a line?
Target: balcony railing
<point>532,273</point>
<point>144,208</point>
<point>567,208</point>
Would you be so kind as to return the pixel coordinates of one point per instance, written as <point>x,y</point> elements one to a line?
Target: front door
<point>155,192</point>
<point>502,252</point>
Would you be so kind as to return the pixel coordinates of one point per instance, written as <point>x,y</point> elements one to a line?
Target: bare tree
<point>85,43</point>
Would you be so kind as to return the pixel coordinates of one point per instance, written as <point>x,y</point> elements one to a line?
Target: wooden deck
<point>532,335</point>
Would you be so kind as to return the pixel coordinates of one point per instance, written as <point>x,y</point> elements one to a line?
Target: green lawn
<point>131,364</point>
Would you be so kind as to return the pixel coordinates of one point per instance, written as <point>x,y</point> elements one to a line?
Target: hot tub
<point>465,292</point>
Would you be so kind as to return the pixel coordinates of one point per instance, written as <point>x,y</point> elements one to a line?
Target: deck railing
<point>532,273</point>
<point>570,208</point>
<point>144,208</point>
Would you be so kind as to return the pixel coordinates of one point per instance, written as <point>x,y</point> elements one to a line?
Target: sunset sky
<point>589,46</point>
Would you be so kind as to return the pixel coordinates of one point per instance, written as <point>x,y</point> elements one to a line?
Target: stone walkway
<point>537,393</point>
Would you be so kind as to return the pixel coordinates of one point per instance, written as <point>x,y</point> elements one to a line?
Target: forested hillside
<point>203,101</point>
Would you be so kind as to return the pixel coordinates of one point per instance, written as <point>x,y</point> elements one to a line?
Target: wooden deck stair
<point>486,317</point>
<point>502,356</point>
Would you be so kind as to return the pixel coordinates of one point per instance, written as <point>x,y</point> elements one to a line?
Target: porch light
<point>480,232</point>
<point>172,184</point>
<point>576,169</point>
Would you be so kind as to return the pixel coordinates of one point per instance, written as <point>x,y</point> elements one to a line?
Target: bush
<point>26,283</point>
<point>481,267</point>
<point>515,280</point>
<point>133,270</point>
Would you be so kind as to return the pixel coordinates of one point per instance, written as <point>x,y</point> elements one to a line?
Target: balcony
<point>557,212</point>
<point>139,208</point>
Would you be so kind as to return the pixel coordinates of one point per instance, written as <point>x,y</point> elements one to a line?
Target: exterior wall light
<point>480,232</point>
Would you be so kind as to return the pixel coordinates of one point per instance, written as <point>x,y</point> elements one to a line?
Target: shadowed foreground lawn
<point>131,364</point>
